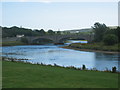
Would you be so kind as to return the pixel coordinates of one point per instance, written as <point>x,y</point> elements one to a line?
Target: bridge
<point>54,38</point>
<point>61,38</point>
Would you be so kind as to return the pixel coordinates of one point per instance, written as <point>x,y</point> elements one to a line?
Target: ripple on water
<point>64,57</point>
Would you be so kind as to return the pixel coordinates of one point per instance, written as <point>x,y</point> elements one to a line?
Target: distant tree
<point>42,32</point>
<point>37,30</point>
<point>58,32</point>
<point>110,39</point>
<point>99,31</point>
<point>66,32</point>
<point>117,32</point>
<point>13,31</point>
<point>51,32</point>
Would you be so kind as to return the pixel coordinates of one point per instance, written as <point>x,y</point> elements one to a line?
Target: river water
<point>50,54</point>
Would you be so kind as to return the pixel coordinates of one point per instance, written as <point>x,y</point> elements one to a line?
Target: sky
<point>58,15</point>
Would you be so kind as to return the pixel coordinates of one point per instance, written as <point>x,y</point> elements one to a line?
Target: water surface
<point>50,54</point>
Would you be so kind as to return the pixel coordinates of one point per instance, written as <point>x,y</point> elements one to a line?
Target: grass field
<point>22,75</point>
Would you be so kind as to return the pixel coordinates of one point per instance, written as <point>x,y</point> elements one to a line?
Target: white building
<point>19,36</point>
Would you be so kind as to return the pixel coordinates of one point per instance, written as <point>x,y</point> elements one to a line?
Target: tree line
<point>13,31</point>
<point>102,33</point>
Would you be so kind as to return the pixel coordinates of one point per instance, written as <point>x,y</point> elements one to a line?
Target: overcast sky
<point>58,15</point>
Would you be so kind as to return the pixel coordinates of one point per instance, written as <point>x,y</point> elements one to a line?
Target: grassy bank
<point>13,43</point>
<point>22,75</point>
<point>94,47</point>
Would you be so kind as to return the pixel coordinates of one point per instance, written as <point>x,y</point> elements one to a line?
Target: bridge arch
<point>61,38</point>
<point>42,40</point>
<point>71,38</point>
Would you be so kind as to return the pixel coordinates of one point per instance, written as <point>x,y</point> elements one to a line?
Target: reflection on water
<point>75,41</point>
<point>50,54</point>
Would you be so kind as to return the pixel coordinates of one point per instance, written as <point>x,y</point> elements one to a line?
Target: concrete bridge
<point>54,38</point>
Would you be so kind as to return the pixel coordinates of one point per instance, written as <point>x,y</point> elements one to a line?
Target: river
<point>50,54</point>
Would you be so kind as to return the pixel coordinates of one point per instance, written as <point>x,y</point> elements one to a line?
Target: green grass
<point>96,46</point>
<point>12,43</point>
<point>22,75</point>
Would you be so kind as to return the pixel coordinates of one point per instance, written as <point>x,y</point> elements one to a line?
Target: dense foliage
<point>99,30</point>
<point>51,32</point>
<point>102,33</point>
<point>110,39</point>
<point>13,31</point>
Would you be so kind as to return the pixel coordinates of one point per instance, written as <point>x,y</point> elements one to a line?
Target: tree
<point>118,33</point>
<point>42,32</point>
<point>99,31</point>
<point>66,32</point>
<point>110,39</point>
<point>51,32</point>
<point>58,32</point>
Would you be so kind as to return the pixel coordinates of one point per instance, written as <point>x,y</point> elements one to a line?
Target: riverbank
<point>16,43</point>
<point>24,75</point>
<point>12,43</point>
<point>93,48</point>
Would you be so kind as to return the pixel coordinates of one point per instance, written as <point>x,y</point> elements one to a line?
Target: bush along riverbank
<point>94,47</point>
<point>24,75</point>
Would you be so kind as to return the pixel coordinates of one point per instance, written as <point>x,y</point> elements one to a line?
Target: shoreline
<point>54,65</point>
<point>89,50</point>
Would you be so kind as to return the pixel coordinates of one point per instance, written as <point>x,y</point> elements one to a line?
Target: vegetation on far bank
<point>105,39</point>
<point>13,31</point>
<point>16,43</point>
<point>104,34</point>
<point>23,75</point>
<point>13,43</point>
<point>100,32</point>
<point>94,46</point>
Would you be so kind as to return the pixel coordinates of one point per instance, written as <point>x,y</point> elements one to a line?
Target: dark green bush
<point>110,39</point>
<point>24,40</point>
<point>83,67</point>
<point>114,69</point>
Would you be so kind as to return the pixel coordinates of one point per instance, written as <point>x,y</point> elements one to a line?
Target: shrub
<point>83,67</point>
<point>24,40</point>
<point>110,39</point>
<point>114,69</point>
